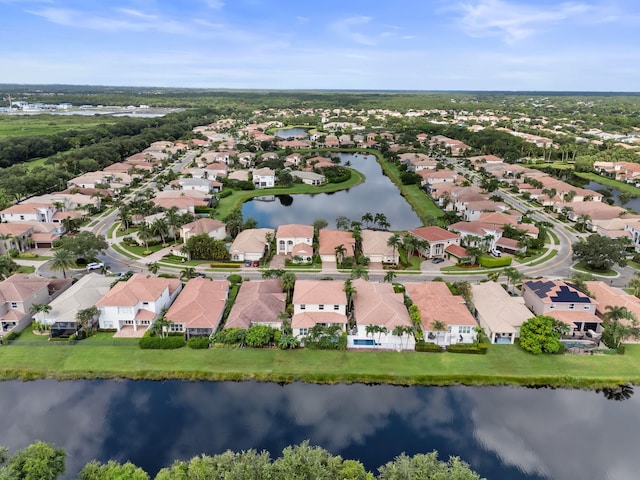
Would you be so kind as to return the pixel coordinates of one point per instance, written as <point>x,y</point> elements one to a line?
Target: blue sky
<point>584,45</point>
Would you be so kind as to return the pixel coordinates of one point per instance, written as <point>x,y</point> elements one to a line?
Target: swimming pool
<point>578,343</point>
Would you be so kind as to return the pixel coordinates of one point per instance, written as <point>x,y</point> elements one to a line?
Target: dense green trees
<point>598,252</point>
<point>541,334</point>
<point>38,461</point>
<point>203,247</point>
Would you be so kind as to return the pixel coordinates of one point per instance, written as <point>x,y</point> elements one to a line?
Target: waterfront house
<point>499,314</point>
<point>318,302</point>
<point>440,308</point>
<point>290,235</point>
<point>198,309</point>
<point>250,244</point>
<point>375,246</point>
<point>134,305</point>
<point>213,228</point>
<point>377,305</point>
<point>258,302</point>
<point>330,240</point>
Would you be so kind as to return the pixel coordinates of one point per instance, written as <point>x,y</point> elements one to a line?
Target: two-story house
<point>290,235</point>
<point>137,303</point>
<point>564,302</point>
<point>264,178</point>
<point>438,239</point>
<point>28,212</point>
<point>18,294</point>
<point>318,302</point>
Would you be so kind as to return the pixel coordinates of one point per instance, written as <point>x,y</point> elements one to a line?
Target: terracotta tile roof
<point>14,228</point>
<point>330,239</point>
<point>203,225</point>
<point>26,208</point>
<point>378,304</point>
<point>252,240</point>
<point>611,296</point>
<point>294,230</point>
<point>257,302</point>
<point>310,319</point>
<point>433,234</point>
<point>569,317</point>
<point>302,249</point>
<point>498,218</point>
<point>375,243</point>
<point>475,227</point>
<point>139,288</point>
<point>200,303</point>
<point>436,303</point>
<point>19,287</point>
<point>319,292</point>
<point>457,251</point>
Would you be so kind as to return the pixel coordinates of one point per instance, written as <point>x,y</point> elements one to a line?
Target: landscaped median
<point>502,365</point>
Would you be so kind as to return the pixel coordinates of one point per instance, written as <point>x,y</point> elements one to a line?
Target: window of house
<point>572,306</point>
<point>145,304</point>
<point>302,307</point>
<point>21,217</point>
<point>304,331</point>
<point>336,307</point>
<point>14,305</point>
<point>464,329</point>
<point>124,310</point>
<point>587,307</point>
<point>321,307</point>
<point>553,305</point>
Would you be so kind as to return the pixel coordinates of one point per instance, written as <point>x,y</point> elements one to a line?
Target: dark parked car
<point>437,260</point>
<point>247,263</point>
<point>256,263</point>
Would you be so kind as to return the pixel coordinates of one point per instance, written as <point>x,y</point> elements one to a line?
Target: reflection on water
<point>377,195</point>
<point>504,433</point>
<point>291,133</point>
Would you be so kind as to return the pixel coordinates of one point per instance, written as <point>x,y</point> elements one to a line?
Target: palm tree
<point>173,219</point>
<point>494,276</point>
<point>87,317</point>
<point>153,267</point>
<point>617,330</point>
<point>340,251</point>
<point>381,220</point>
<point>581,221</point>
<point>439,326</point>
<point>389,276</point>
<point>370,330</point>
<point>160,227</point>
<point>410,244</point>
<point>634,284</point>
<point>187,273</point>
<point>145,233</point>
<point>400,331</point>
<point>513,275</point>
<point>7,266</point>
<point>39,309</point>
<point>124,215</point>
<point>62,260</point>
<point>394,242</point>
<point>288,282</point>
<point>367,218</point>
<point>380,330</point>
<point>350,290</point>
<point>359,271</point>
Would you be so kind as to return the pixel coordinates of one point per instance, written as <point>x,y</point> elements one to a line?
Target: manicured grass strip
<point>582,268</point>
<point>532,257</point>
<point>554,237</point>
<point>503,364</point>
<point>552,254</point>
<point>124,252</point>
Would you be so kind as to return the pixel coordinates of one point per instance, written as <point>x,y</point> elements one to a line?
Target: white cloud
<point>215,4</point>
<point>346,27</point>
<point>513,22</point>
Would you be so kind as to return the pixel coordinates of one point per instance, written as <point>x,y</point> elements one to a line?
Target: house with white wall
<point>250,244</point>
<point>290,235</point>
<point>28,212</point>
<point>439,240</point>
<point>378,305</point>
<point>437,305</point>
<point>318,302</point>
<point>137,303</point>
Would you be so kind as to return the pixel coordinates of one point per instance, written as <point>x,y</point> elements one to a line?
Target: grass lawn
<point>530,258</point>
<point>553,235</point>
<point>610,182</point>
<point>33,256</point>
<point>124,252</point>
<point>415,196</point>
<point>581,267</point>
<point>45,124</point>
<point>235,200</point>
<point>175,260</point>
<point>546,258</point>
<point>26,269</point>
<point>504,364</point>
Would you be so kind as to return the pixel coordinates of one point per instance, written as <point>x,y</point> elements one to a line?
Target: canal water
<point>502,432</point>
<point>376,195</point>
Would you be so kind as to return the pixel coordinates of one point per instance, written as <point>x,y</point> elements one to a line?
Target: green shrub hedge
<point>225,265</point>
<point>422,346</point>
<point>198,343</point>
<point>224,193</point>
<point>492,262</point>
<point>10,337</point>
<point>480,349</point>
<point>159,343</point>
<point>235,278</point>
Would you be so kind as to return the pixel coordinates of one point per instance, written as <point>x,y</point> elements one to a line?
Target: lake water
<point>376,195</point>
<point>633,203</point>
<point>504,433</point>
<point>291,132</point>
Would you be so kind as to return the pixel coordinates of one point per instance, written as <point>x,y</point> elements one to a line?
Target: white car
<point>496,253</point>
<point>94,266</point>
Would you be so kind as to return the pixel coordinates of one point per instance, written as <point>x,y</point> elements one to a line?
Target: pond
<point>376,195</point>
<point>629,202</point>
<point>291,133</point>
<point>504,433</point>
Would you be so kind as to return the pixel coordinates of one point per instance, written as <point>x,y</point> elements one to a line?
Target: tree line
<point>42,461</point>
